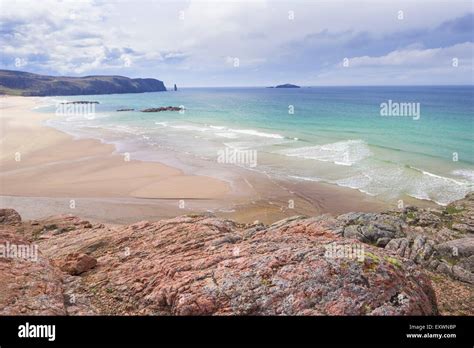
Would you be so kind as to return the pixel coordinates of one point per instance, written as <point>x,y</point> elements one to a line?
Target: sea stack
<point>175,88</point>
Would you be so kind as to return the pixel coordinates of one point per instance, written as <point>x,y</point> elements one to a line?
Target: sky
<point>244,43</point>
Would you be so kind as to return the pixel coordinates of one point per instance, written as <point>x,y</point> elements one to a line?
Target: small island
<point>286,85</point>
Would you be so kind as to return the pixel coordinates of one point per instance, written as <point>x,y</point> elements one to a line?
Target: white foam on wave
<point>437,176</point>
<point>257,133</point>
<point>229,135</point>
<point>344,153</point>
<point>239,145</point>
<point>217,127</point>
<point>44,105</point>
<point>391,181</point>
<point>221,131</point>
<point>465,173</point>
<point>121,128</point>
<point>251,132</point>
<point>189,127</point>
<point>49,101</point>
<point>306,178</point>
<point>256,143</point>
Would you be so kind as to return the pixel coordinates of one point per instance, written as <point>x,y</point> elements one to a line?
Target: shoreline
<point>56,168</point>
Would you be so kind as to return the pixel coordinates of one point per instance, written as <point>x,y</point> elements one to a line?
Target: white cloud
<point>452,65</point>
<point>171,39</point>
<point>418,57</point>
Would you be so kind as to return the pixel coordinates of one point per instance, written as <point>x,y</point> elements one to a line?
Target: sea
<point>388,142</point>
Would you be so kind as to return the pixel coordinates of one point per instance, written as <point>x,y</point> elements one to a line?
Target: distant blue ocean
<point>329,134</point>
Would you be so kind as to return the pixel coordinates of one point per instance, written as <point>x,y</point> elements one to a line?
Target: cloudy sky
<point>244,43</point>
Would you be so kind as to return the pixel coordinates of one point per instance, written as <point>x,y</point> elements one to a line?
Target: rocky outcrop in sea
<point>163,108</point>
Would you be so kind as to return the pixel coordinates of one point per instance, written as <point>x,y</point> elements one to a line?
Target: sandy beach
<point>46,172</point>
<point>38,161</point>
<point>49,162</point>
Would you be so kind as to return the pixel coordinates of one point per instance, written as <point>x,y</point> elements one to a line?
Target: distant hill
<point>28,84</point>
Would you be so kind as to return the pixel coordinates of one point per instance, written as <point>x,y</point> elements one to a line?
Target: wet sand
<point>46,172</point>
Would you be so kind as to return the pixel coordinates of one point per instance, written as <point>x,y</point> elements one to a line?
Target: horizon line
<point>310,86</point>
<point>257,86</point>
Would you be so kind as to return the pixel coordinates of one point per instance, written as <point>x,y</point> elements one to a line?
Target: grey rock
<point>463,227</point>
<point>462,274</point>
<point>454,258</point>
<point>9,217</point>
<point>371,228</point>
<point>456,249</point>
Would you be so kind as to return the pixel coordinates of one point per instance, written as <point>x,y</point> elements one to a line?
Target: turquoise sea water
<point>329,134</point>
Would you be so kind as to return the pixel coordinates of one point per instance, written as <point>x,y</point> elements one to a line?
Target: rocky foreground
<point>407,262</point>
